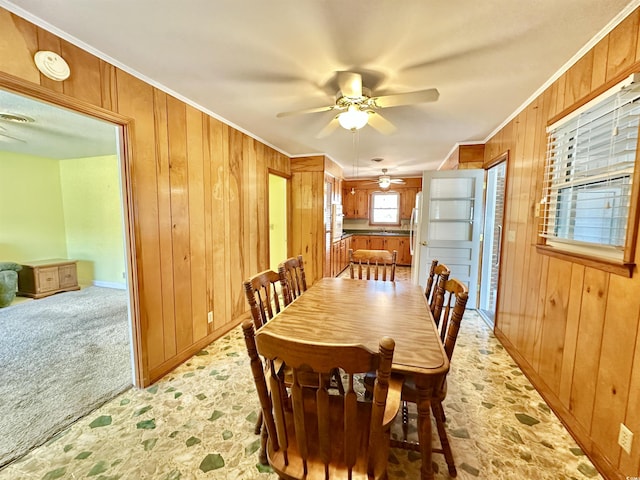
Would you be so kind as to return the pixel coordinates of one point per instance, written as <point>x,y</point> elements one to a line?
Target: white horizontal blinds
<point>589,169</point>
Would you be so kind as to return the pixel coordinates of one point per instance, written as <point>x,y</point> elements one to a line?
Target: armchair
<point>8,282</point>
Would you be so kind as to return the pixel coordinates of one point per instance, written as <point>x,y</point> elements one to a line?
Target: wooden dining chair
<point>449,289</point>
<point>373,264</point>
<point>292,271</point>
<point>449,323</point>
<point>437,272</point>
<point>265,292</point>
<point>311,433</point>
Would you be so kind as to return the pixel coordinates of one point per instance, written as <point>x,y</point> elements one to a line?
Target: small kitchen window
<point>589,196</point>
<point>385,208</point>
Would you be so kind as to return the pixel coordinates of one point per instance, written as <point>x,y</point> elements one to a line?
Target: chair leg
<point>258,426</point>
<point>262,454</point>
<point>405,419</point>
<point>438,413</point>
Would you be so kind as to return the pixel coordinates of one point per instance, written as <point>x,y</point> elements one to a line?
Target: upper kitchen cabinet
<point>355,205</point>
<point>407,202</point>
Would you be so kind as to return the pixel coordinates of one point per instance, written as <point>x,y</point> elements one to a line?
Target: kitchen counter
<point>393,233</point>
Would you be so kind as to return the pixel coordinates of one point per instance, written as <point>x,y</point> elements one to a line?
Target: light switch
<point>511,236</point>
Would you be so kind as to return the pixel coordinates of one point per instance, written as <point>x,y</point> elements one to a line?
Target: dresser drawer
<point>68,276</point>
<point>48,279</point>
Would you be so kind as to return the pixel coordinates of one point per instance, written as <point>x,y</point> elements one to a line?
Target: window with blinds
<point>588,175</point>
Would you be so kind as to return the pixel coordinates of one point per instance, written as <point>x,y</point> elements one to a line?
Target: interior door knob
<point>423,243</point>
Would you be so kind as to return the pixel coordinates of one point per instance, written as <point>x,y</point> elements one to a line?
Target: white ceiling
<point>246,60</point>
<point>54,132</point>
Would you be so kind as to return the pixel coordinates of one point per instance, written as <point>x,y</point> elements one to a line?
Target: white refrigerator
<point>414,239</point>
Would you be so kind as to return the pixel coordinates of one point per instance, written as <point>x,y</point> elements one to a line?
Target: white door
<point>451,225</point>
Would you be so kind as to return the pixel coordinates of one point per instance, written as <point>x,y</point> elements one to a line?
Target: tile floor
<point>197,423</point>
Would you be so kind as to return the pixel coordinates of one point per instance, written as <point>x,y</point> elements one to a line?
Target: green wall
<point>31,213</point>
<point>277,220</point>
<point>63,209</point>
<point>93,218</point>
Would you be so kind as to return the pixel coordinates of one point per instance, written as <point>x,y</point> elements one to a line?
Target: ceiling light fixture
<point>353,118</point>
<point>384,182</point>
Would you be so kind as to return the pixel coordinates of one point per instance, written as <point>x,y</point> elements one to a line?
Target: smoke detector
<point>52,65</point>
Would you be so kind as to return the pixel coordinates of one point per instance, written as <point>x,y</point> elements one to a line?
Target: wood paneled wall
<point>309,237</point>
<point>573,328</point>
<point>198,196</point>
<point>464,157</point>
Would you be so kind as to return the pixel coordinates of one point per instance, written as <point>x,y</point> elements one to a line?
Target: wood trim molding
<point>503,157</point>
<point>623,269</point>
<point>23,87</point>
<point>634,68</point>
<point>159,371</point>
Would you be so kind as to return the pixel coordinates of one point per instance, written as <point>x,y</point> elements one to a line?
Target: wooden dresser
<point>42,278</point>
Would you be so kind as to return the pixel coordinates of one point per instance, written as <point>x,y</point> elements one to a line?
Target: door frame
<point>503,157</point>
<point>125,128</point>
<point>287,178</point>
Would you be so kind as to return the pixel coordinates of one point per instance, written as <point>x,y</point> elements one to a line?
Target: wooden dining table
<point>348,311</point>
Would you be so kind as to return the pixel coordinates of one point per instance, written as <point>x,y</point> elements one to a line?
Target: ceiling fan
<point>384,181</point>
<point>357,107</point>
<point>5,137</point>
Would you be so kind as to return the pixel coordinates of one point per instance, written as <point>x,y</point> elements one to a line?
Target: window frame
<point>372,208</point>
<point>625,265</point>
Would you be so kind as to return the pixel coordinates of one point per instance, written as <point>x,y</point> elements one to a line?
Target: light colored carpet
<point>60,358</point>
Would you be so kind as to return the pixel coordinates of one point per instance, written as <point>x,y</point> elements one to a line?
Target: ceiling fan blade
<point>397,180</point>
<point>350,84</point>
<point>12,138</point>
<point>306,110</point>
<point>329,128</point>
<point>380,123</point>
<point>419,96</point>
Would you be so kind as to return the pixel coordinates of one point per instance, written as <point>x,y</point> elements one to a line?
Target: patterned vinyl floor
<point>197,423</point>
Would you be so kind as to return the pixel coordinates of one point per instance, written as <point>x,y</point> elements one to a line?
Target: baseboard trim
<point>116,285</point>
<point>579,434</point>
<point>159,371</point>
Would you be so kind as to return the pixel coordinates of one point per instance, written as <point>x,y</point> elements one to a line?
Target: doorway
<point>64,196</point>
<point>491,252</point>
<point>278,247</point>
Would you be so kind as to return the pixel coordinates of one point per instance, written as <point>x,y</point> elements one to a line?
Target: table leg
<point>425,389</point>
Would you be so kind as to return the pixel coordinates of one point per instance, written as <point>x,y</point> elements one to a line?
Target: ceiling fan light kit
<point>353,118</point>
<point>384,181</point>
<point>357,106</point>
